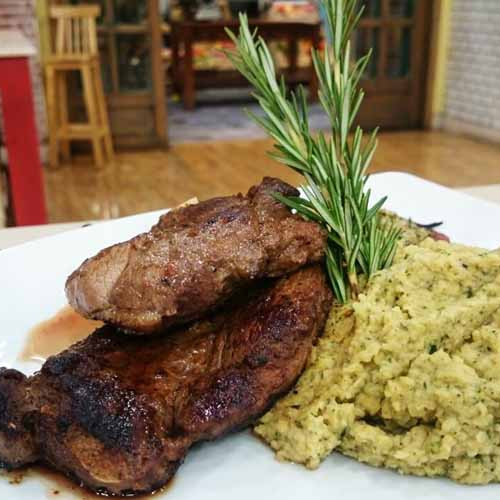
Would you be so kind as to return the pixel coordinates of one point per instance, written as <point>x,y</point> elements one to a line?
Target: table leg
<point>293,52</point>
<point>25,170</point>
<point>188,83</point>
<point>313,83</point>
<point>174,45</point>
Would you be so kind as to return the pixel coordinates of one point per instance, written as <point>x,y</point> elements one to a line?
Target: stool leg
<point>103,112</point>
<point>91,105</point>
<point>62,99</point>
<point>52,116</point>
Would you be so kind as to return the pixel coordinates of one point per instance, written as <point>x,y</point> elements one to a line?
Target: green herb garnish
<point>333,166</point>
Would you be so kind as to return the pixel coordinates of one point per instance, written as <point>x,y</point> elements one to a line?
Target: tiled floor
<point>213,120</point>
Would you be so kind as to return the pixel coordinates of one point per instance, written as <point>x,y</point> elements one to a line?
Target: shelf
<point>125,29</point>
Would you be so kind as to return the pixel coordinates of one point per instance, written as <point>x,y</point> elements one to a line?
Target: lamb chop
<point>194,259</point>
<point>119,413</point>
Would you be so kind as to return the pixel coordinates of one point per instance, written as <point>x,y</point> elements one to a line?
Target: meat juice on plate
<point>58,486</point>
<point>56,334</point>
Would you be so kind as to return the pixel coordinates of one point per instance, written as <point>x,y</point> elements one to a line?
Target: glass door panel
<point>373,8</point>
<point>364,40</point>
<point>401,8</point>
<point>398,52</point>
<point>134,62</point>
<point>130,11</point>
<point>104,54</point>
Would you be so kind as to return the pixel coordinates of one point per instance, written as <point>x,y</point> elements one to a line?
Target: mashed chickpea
<point>408,377</point>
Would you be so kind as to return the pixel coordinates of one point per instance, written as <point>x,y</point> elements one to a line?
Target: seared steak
<point>194,259</point>
<point>119,412</point>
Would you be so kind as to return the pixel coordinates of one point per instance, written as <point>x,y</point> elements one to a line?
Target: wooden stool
<point>76,49</point>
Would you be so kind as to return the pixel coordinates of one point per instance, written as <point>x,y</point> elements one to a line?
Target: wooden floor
<point>141,181</point>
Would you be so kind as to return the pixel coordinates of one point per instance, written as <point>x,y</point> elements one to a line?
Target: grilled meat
<point>194,259</point>
<point>119,412</point>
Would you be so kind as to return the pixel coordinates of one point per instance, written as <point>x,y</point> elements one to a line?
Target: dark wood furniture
<point>398,31</point>
<point>186,33</point>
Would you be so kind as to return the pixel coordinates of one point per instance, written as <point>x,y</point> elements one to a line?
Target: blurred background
<point>176,107</point>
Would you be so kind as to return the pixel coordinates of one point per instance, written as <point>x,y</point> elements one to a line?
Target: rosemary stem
<point>334,167</point>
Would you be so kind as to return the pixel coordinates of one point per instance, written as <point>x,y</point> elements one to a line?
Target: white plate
<point>238,466</point>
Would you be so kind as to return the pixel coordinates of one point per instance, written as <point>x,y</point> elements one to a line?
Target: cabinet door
<point>398,33</point>
<point>130,41</point>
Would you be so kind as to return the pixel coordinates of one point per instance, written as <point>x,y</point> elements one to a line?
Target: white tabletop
<point>490,192</point>
<point>16,235</point>
<point>14,44</point>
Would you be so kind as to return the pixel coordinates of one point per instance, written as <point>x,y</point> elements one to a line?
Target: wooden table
<point>186,33</point>
<point>25,170</point>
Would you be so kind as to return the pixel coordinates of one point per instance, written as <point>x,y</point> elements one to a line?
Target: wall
<point>438,60</point>
<point>472,102</point>
<point>21,15</point>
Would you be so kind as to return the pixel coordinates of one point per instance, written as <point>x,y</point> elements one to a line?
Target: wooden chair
<point>75,48</point>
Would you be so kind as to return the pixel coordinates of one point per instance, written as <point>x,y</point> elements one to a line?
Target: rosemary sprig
<point>334,166</point>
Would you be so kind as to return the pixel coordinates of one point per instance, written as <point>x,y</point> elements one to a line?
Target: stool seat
<point>76,49</point>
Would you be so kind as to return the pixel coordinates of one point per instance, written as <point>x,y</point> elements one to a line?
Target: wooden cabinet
<point>130,48</point>
<point>398,31</point>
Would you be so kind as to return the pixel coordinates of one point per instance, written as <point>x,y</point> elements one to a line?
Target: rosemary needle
<point>334,166</point>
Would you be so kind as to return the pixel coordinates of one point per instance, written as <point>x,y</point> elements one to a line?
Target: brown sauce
<point>56,334</point>
<point>58,486</point>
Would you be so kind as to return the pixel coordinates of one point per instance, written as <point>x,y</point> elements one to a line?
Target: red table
<point>25,169</point>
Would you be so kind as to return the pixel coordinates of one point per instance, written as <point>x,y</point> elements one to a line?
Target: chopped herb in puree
<point>409,376</point>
